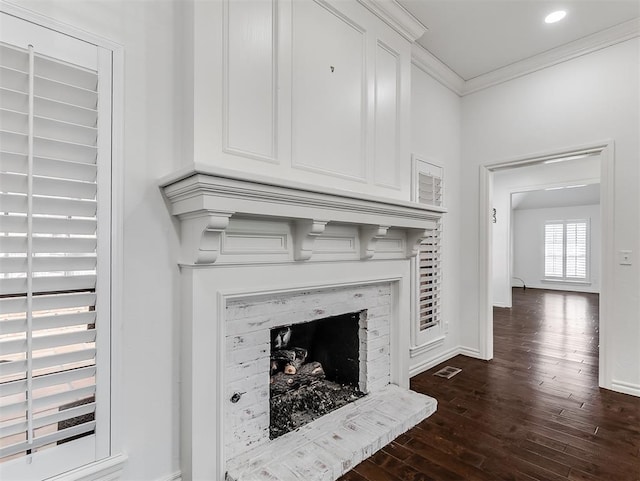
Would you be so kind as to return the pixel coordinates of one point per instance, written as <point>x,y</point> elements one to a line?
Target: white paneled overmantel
<point>238,218</point>
<point>270,92</point>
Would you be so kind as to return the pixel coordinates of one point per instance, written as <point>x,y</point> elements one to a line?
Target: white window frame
<point>564,278</point>
<point>428,337</point>
<point>109,460</point>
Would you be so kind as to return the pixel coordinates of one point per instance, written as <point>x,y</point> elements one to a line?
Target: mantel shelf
<point>205,201</point>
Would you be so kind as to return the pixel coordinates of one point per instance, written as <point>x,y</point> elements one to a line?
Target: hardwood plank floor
<point>534,412</point>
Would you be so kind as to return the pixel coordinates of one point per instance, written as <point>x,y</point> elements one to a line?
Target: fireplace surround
<point>257,253</point>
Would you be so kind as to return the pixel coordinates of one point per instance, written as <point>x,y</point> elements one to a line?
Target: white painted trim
<point>432,66</point>
<point>205,203</point>
<point>470,352</point>
<point>434,361</point>
<point>17,10</point>
<point>415,351</point>
<point>485,261</point>
<point>177,476</point>
<point>626,387</point>
<point>500,304</point>
<point>107,469</point>
<point>397,17</point>
<point>589,44</point>
<point>117,245</point>
<point>608,261</point>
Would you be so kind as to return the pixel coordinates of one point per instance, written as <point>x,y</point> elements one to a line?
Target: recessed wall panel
<point>249,84</point>
<point>328,91</point>
<point>386,166</point>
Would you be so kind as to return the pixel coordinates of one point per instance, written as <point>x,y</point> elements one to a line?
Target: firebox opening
<point>315,369</point>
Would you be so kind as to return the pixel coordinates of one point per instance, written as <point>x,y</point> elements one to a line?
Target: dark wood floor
<point>534,412</point>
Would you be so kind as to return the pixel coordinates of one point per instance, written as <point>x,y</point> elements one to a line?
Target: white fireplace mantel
<point>205,200</point>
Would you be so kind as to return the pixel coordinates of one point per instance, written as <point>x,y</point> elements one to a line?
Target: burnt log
<point>305,375</point>
<point>288,360</point>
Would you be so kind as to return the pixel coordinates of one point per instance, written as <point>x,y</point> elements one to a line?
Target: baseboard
<point>434,361</point>
<point>416,351</point>
<point>500,304</point>
<point>177,476</point>
<point>470,352</point>
<point>626,388</point>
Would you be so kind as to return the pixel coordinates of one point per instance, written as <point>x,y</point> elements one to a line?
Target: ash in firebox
<point>293,409</point>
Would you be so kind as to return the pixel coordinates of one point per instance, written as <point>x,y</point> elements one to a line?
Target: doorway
<point>487,176</point>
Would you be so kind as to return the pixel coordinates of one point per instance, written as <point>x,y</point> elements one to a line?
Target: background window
<point>566,250</point>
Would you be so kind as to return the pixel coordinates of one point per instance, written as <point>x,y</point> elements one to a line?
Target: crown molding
<point>591,43</point>
<point>397,17</point>
<point>431,65</point>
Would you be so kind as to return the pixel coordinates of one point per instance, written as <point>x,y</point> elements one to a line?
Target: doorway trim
<point>605,149</point>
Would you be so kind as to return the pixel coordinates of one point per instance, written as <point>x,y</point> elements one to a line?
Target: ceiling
<point>558,197</point>
<point>475,37</point>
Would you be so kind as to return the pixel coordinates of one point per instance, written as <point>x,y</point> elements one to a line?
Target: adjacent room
<point>319,240</point>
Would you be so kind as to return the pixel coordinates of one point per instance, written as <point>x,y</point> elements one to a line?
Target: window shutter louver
<point>576,250</point>
<point>553,250</point>
<point>48,246</point>
<point>430,280</point>
<point>429,191</point>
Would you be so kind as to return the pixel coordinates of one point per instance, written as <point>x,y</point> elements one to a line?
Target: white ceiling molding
<point>431,65</point>
<point>591,43</point>
<point>397,17</point>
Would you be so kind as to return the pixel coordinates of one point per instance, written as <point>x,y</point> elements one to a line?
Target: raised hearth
<point>328,447</point>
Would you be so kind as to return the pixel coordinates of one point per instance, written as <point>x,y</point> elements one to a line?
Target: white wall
<point>522,179</point>
<point>528,251</point>
<point>147,394</point>
<point>583,101</point>
<point>435,137</point>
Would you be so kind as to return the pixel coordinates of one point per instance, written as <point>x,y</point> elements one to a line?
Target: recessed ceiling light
<point>554,17</point>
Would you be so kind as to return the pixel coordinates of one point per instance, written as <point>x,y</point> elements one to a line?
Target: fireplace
<point>258,256</point>
<point>359,313</point>
<point>315,369</point>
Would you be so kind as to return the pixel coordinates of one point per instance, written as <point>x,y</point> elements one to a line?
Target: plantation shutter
<point>48,251</point>
<point>429,188</point>
<point>430,277</point>
<point>429,191</point>
<point>576,255</point>
<point>554,250</point>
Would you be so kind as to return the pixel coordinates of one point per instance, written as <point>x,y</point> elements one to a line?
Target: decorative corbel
<point>201,236</point>
<point>369,235</point>
<point>414,239</point>
<point>305,233</point>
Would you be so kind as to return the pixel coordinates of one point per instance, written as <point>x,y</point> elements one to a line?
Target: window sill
<point>564,281</point>
<point>108,469</point>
